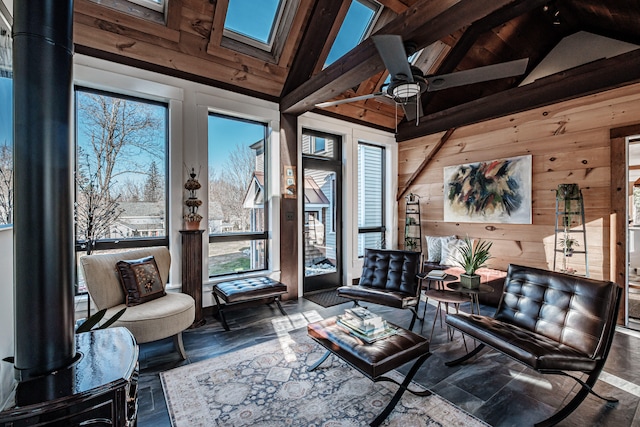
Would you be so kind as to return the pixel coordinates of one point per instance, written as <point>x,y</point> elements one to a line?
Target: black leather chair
<point>552,322</point>
<point>389,277</point>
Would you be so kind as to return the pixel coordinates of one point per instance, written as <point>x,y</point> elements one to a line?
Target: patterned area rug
<point>268,385</point>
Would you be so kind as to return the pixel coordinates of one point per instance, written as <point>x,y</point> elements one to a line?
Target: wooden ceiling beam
<point>468,39</point>
<point>597,76</point>
<point>424,23</point>
<point>314,37</point>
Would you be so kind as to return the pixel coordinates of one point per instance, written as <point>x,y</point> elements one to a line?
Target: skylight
<point>157,5</point>
<point>355,27</point>
<point>253,22</point>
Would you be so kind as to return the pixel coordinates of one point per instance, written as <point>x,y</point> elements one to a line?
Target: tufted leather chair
<point>389,277</point>
<point>551,322</point>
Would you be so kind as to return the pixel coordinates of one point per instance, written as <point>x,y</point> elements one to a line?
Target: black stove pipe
<point>43,210</point>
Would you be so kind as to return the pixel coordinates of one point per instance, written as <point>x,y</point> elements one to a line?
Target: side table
<point>438,293</point>
<point>472,292</point>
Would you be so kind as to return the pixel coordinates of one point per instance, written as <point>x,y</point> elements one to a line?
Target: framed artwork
<point>492,191</point>
<point>289,182</point>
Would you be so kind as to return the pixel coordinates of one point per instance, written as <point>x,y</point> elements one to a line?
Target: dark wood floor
<point>493,387</point>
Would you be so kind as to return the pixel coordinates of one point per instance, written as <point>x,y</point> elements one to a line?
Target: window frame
<point>248,40</point>
<point>131,242</point>
<point>150,4</point>
<point>5,28</point>
<point>248,235</point>
<point>383,205</point>
<point>377,9</point>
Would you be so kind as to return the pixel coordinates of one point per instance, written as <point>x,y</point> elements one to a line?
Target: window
<point>121,172</point>
<point>157,5</point>
<point>238,203</point>
<point>371,179</point>
<point>6,126</point>
<point>149,10</point>
<point>253,22</point>
<point>356,27</point>
<point>319,144</point>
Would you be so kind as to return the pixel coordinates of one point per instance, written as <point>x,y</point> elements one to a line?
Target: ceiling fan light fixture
<point>406,90</point>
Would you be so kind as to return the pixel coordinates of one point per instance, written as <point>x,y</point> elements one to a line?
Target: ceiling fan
<point>409,82</point>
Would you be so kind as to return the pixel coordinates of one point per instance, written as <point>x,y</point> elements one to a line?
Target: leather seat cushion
<point>157,319</point>
<point>249,289</point>
<point>396,299</point>
<point>534,350</point>
<point>373,359</point>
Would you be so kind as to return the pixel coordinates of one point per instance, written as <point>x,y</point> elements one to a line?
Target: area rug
<point>268,385</point>
<point>327,298</point>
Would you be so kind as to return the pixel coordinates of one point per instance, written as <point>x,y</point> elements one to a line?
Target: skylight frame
<point>242,38</point>
<point>376,7</point>
<point>157,5</point>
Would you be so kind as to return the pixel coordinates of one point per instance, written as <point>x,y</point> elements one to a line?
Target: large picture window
<point>371,208</point>
<point>6,127</point>
<point>238,182</point>
<point>121,172</point>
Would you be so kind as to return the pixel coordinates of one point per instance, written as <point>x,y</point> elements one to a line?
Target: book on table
<point>436,274</point>
<point>365,325</point>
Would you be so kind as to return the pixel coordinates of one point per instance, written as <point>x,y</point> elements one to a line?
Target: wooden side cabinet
<point>100,388</point>
<point>192,270</point>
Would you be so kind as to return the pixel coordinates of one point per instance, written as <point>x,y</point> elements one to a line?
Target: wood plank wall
<point>569,143</point>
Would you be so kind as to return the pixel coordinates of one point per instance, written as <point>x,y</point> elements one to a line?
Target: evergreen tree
<point>153,188</point>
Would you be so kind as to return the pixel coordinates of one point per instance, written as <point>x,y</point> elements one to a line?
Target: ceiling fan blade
<point>411,109</point>
<point>394,56</point>
<point>476,75</point>
<point>355,98</point>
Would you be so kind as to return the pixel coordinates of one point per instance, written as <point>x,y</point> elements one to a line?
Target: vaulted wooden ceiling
<point>455,34</point>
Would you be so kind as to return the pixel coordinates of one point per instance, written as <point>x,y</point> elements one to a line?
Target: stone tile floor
<point>493,387</point>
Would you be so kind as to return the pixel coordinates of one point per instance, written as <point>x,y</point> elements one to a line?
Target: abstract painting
<point>491,191</point>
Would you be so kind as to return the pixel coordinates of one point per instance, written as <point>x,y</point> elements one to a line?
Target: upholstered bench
<point>240,291</point>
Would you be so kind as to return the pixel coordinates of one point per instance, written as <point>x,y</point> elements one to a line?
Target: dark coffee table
<point>374,359</point>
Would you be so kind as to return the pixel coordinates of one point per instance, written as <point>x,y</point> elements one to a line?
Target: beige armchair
<point>153,320</point>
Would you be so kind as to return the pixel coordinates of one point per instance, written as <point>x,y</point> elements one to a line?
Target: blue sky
<point>227,133</point>
<point>6,111</point>
<point>251,18</point>
<point>355,24</point>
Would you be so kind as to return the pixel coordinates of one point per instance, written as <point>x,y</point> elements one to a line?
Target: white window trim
<point>243,107</point>
<point>189,105</point>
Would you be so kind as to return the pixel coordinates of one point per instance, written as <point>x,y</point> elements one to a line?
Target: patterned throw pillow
<point>434,248</point>
<point>450,252</point>
<point>140,280</point>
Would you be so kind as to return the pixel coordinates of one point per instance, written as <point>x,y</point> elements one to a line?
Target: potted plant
<point>568,244</point>
<point>472,257</point>
<point>410,243</point>
<point>192,218</point>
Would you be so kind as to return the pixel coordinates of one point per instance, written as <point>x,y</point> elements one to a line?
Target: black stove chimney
<point>43,212</point>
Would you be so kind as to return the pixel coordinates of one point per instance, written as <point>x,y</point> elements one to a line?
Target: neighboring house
<point>140,219</point>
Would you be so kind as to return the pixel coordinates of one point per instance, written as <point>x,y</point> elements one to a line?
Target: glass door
<point>322,232</point>
<point>633,233</point>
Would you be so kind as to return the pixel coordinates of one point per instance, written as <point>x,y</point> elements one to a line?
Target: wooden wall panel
<point>569,142</point>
